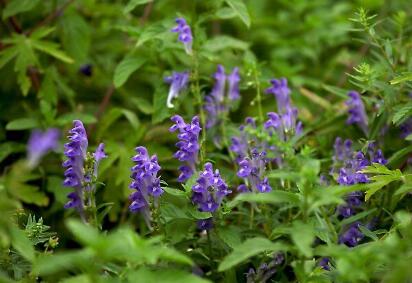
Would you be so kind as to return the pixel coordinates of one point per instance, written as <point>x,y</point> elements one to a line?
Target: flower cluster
<point>265,270</point>
<point>352,236</point>
<point>209,190</point>
<point>185,34</point>
<point>240,144</point>
<point>144,181</point>
<point>357,114</point>
<point>284,123</point>
<point>188,145</point>
<point>252,171</point>
<point>76,152</point>
<point>40,143</point>
<point>216,103</point>
<point>81,168</point>
<point>178,82</point>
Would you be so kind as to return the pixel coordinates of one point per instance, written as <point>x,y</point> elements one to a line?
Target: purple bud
<point>178,82</point>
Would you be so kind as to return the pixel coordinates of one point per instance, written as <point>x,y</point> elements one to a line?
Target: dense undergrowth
<point>205,141</point>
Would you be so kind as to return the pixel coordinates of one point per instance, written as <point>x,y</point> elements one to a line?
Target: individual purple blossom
<point>40,143</point>
<point>209,190</point>
<point>145,182</point>
<point>352,236</point>
<point>406,128</point>
<point>86,69</point>
<point>76,151</point>
<point>185,34</point>
<point>281,92</point>
<point>188,145</point>
<point>205,224</point>
<point>357,114</point>
<point>252,170</point>
<point>178,82</point>
<point>98,155</point>
<point>324,263</point>
<point>233,80</point>
<point>265,271</point>
<point>284,125</point>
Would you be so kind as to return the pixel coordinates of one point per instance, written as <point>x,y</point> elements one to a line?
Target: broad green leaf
<point>303,235</point>
<point>222,42</point>
<point>247,249</point>
<point>76,35</point>
<point>52,49</point>
<point>85,234</point>
<point>226,13</point>
<point>68,118</point>
<point>22,244</point>
<point>142,104</point>
<point>240,9</point>
<point>84,278</point>
<point>125,68</point>
<point>15,7</point>
<point>231,235</point>
<point>163,275</point>
<point>160,111</point>
<point>274,197</point>
<point>22,124</point>
<point>49,264</point>
<point>133,4</point>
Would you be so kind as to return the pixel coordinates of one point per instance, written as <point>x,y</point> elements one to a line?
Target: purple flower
<point>144,181</point>
<point>324,263</point>
<point>188,145</point>
<point>98,155</point>
<point>352,236</point>
<point>75,151</point>
<point>178,82</point>
<point>185,34</point>
<point>209,190</point>
<point>233,80</point>
<point>406,128</point>
<point>282,93</point>
<point>86,69</point>
<point>357,114</point>
<point>205,224</point>
<point>285,125</point>
<point>252,169</point>
<point>40,143</point>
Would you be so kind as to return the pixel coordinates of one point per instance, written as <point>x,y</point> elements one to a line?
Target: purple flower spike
<point>75,151</point>
<point>218,91</point>
<point>188,145</point>
<point>357,114</point>
<point>234,80</point>
<point>185,34</point>
<point>252,169</point>
<point>40,143</point>
<point>209,190</point>
<point>178,82</point>
<point>144,181</point>
<point>282,93</point>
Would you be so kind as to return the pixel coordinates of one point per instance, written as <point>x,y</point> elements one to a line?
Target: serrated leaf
<point>15,7</point>
<point>22,124</point>
<point>133,4</point>
<point>402,113</point>
<point>125,68</point>
<point>240,9</point>
<point>247,249</point>
<point>7,55</point>
<point>52,49</point>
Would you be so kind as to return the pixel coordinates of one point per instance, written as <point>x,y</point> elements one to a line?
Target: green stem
<point>252,216</point>
<point>258,94</point>
<point>199,102</point>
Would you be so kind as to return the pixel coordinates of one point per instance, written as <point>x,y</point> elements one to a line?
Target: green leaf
<point>8,148</point>
<point>22,244</point>
<point>402,113</point>
<point>226,13</point>
<point>160,112</point>
<point>231,235</point>
<point>125,68</point>
<point>15,7</point>
<point>68,118</point>
<point>274,197</point>
<point>164,275</point>
<point>22,124</point>
<point>303,235</point>
<point>8,54</point>
<point>133,4</point>
<point>247,249</point>
<point>52,49</point>
<point>85,234</point>
<point>240,9</point>
<point>406,76</point>
<point>222,42</point>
